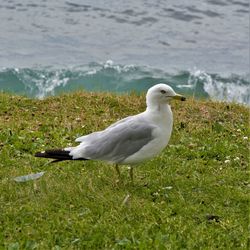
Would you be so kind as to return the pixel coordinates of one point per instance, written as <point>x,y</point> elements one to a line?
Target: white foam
<point>48,86</point>
<point>109,64</point>
<point>231,91</point>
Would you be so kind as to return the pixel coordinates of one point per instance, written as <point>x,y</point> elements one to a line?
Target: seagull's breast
<point>151,149</point>
<point>161,135</point>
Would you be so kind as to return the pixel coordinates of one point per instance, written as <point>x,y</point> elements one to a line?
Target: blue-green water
<point>42,82</point>
<point>201,48</point>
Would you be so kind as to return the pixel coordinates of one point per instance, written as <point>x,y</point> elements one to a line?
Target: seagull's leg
<point>118,171</point>
<point>131,174</point>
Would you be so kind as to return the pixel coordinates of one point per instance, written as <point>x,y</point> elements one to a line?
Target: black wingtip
<point>40,154</point>
<point>56,154</point>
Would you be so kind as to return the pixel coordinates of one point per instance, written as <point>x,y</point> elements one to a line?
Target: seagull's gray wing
<point>96,134</point>
<point>117,142</point>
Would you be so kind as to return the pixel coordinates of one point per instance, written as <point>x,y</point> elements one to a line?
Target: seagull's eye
<point>163,91</point>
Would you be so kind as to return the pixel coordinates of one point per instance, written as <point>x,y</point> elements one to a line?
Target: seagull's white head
<point>161,94</point>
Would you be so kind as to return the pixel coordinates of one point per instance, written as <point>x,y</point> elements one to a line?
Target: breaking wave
<point>41,82</point>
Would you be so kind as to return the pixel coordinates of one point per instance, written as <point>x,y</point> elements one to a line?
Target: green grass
<point>194,195</point>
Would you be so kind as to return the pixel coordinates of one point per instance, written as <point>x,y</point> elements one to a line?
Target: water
<point>199,47</point>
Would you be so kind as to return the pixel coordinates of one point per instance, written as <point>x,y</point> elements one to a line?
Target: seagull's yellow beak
<point>179,97</point>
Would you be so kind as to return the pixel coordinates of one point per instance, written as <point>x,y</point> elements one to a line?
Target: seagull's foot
<point>119,182</point>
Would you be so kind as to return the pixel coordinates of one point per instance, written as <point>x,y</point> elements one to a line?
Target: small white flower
<point>236,158</point>
<point>227,161</point>
<point>245,138</point>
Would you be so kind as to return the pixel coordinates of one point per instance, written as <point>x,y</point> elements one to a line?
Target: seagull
<point>129,141</point>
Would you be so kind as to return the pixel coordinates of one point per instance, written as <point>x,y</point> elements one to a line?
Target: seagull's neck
<point>158,108</point>
<point>161,112</point>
